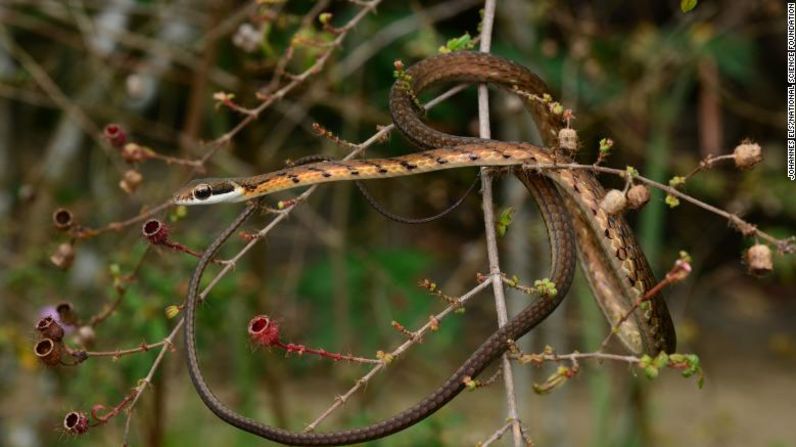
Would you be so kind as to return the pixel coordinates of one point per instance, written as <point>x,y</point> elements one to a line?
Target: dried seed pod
<point>76,422</point>
<point>64,256</point>
<point>747,154</point>
<point>637,196</point>
<point>133,153</point>
<point>613,202</point>
<point>129,183</point>
<point>48,351</point>
<point>66,313</point>
<point>155,231</point>
<point>568,139</point>
<point>758,259</point>
<point>49,328</point>
<point>63,219</point>
<point>263,330</point>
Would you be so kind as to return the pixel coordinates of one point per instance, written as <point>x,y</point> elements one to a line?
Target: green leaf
<point>672,201</point>
<point>688,5</point>
<point>605,145</point>
<point>503,222</point>
<point>464,42</point>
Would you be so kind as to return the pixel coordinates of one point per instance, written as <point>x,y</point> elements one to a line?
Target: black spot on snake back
<point>408,165</point>
<point>378,166</point>
<point>323,172</point>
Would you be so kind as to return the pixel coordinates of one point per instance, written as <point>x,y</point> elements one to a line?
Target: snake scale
<point>568,200</point>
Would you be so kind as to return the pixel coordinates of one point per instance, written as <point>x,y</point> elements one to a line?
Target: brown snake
<point>616,268</point>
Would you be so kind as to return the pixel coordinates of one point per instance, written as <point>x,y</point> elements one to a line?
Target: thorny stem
<point>575,356</point>
<point>101,419</point>
<point>143,347</point>
<point>293,348</point>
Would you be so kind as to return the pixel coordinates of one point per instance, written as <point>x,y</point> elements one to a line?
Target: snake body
<point>611,258</point>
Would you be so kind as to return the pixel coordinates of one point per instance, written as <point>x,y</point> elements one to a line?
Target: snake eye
<point>202,192</point>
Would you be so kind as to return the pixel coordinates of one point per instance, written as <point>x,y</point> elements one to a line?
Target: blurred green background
<point>670,88</point>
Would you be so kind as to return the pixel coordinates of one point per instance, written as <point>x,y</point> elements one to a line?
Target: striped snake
<point>568,200</point>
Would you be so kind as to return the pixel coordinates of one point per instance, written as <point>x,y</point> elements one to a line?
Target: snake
<point>568,200</point>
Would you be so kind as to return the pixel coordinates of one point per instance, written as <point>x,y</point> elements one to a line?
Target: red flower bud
<point>115,135</point>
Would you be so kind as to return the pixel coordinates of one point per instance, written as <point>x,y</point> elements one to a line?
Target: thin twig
<point>489,224</point>
<point>787,245</point>
<point>418,334</point>
<point>497,434</point>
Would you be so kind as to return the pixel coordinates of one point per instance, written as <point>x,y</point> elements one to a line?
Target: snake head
<point>209,191</point>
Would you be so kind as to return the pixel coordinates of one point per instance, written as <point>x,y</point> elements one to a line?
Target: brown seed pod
<point>133,153</point>
<point>129,183</point>
<point>568,139</point>
<point>64,256</point>
<point>63,219</point>
<point>747,154</point>
<point>614,202</point>
<point>49,328</point>
<point>758,259</point>
<point>76,422</point>
<point>637,196</point>
<point>48,351</point>
<point>155,231</point>
<point>66,313</point>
